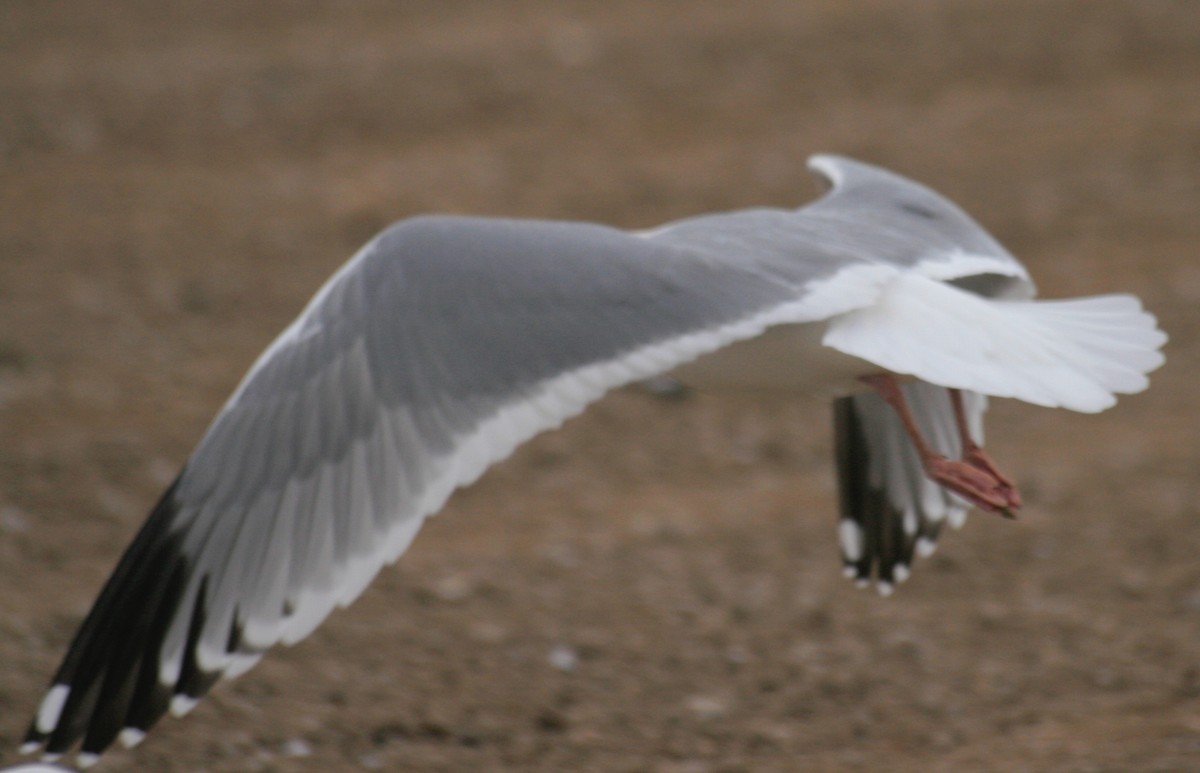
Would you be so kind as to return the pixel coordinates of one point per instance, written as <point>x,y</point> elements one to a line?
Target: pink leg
<point>974,477</point>
<point>975,456</point>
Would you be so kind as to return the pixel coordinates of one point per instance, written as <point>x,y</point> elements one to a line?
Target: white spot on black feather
<point>851,536</point>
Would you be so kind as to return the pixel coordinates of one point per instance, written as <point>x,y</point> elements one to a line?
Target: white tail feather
<point>1074,354</point>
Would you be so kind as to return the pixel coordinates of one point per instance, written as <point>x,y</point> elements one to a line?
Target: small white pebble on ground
<point>563,657</point>
<point>706,706</point>
<point>454,588</point>
<point>296,747</point>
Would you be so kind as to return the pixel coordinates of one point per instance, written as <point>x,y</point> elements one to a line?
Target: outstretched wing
<point>432,354</point>
<point>443,346</point>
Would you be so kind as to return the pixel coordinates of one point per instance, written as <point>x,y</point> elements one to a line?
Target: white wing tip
<point>51,708</point>
<point>131,737</point>
<point>182,704</point>
<point>850,534</point>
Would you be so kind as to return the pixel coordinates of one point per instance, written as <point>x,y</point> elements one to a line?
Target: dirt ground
<point>656,586</point>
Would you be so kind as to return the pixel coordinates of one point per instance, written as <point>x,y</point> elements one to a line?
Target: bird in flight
<point>447,341</point>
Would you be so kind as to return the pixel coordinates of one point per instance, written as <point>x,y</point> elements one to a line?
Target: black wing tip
<point>107,688</point>
<point>878,546</point>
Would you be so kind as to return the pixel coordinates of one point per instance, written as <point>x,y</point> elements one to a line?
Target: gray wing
<point>444,345</point>
<point>869,220</point>
<point>432,354</point>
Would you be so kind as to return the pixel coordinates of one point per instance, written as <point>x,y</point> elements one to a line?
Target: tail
<point>1076,354</point>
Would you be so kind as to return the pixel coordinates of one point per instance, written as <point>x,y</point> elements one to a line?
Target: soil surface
<point>656,586</point>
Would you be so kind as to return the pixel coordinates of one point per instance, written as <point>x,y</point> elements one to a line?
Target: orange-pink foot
<point>978,458</point>
<point>982,487</point>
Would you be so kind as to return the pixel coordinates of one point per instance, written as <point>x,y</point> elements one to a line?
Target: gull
<point>447,341</point>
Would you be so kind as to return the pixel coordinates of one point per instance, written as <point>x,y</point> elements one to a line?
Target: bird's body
<point>448,341</point>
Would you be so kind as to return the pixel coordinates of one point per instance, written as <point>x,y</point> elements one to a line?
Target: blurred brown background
<point>655,587</point>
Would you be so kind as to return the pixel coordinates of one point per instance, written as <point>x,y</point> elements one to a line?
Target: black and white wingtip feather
<point>108,686</point>
<point>890,513</point>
